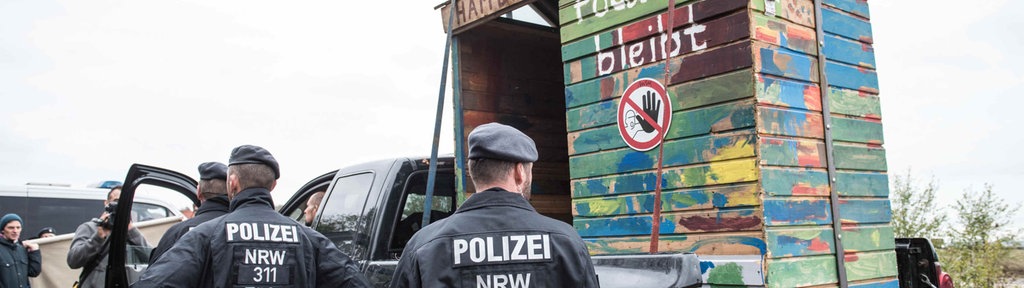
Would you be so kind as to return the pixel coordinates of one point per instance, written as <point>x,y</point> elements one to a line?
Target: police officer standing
<point>496,239</point>
<point>212,193</point>
<point>253,245</point>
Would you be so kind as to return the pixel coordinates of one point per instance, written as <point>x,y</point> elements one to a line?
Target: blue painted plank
<point>845,25</point>
<point>846,76</point>
<point>863,211</point>
<point>849,52</point>
<point>856,7</point>
<point>785,212</point>
<point>784,63</point>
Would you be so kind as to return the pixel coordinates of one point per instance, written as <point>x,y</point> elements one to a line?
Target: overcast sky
<point>89,87</point>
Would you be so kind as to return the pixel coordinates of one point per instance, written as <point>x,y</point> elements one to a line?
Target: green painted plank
<point>854,103</point>
<point>789,122</point>
<point>716,89</point>
<point>672,201</point>
<point>859,157</point>
<point>783,211</point>
<point>716,173</point>
<point>732,220</point>
<point>787,93</point>
<point>577,21</point>
<point>719,118</point>
<point>796,11</point>
<point>801,271</point>
<point>788,152</point>
<point>803,241</point>
<point>870,265</point>
<point>794,182</point>
<point>857,130</point>
<point>743,243</point>
<point>865,211</point>
<point>679,152</point>
<point>867,238</point>
<point>865,184</point>
<point>784,34</point>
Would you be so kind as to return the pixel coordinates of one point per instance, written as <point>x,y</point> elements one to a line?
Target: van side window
<point>343,219</point>
<point>144,211</point>
<point>414,196</point>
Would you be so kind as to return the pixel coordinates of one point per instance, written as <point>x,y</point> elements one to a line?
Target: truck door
<point>135,260</point>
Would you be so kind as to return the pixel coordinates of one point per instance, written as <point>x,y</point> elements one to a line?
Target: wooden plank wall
<point>710,195</point>
<point>509,73</point>
<point>794,177</point>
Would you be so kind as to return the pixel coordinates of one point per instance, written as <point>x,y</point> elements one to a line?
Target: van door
<point>139,175</point>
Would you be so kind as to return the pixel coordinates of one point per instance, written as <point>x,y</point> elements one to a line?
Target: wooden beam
<point>471,13</point>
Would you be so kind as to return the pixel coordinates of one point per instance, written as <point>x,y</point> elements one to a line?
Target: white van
<point>64,208</point>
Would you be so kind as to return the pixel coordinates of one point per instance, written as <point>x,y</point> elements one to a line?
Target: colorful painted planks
<point>849,51</point>
<point>681,200</point>
<point>845,25</point>
<point>732,220</point>
<point>732,270</point>
<point>679,152</point>
<point>865,184</point>
<point>773,60</point>
<point>801,271</point>
<point>856,157</point>
<point>850,77</point>
<point>800,241</point>
<point>789,152</point>
<point>794,182</point>
<point>781,33</point>
<point>854,103</point>
<point>866,131</point>
<point>795,11</point>
<point>786,211</point>
<point>787,93</point>
<point>724,172</point>
<point>730,243</point>
<point>608,87</point>
<point>883,283</point>
<point>856,7</point>
<point>788,122</point>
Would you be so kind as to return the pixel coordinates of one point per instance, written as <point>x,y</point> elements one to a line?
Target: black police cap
<point>501,142</point>
<point>251,154</point>
<point>213,170</point>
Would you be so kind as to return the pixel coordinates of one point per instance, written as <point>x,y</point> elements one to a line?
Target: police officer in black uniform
<point>496,239</point>
<point>253,245</point>
<point>212,193</point>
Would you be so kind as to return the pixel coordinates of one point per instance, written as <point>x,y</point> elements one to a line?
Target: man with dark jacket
<point>18,261</point>
<point>253,245</point>
<point>89,248</point>
<point>496,238</point>
<point>212,192</point>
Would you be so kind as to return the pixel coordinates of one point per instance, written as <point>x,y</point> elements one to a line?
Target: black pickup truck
<point>371,210</point>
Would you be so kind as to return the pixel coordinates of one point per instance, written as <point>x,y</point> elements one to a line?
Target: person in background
<point>312,205</point>
<point>89,247</point>
<point>18,260</point>
<point>46,232</point>
<point>221,252</point>
<point>212,190</point>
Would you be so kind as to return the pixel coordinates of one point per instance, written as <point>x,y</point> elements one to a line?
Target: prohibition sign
<point>644,114</point>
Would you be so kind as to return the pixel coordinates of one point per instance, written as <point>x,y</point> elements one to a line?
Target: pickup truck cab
<point>370,211</point>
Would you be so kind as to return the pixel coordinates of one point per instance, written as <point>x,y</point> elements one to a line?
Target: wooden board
<point>867,184</point>
<point>848,51</point>
<point>773,60</point>
<point>782,33</point>
<point>845,25</point>
<point>800,241</point>
<point>729,243</point>
<point>672,201</point>
<point>794,182</point>
<point>470,13</point>
<point>801,271</point>
<point>851,77</point>
<point>856,7</point>
<point>864,211</point>
<point>795,11</point>
<point>787,211</point>
<point>868,131</point>
<point>789,122</point>
<point>870,265</point>
<point>859,157</point>
<point>733,220</point>
<point>854,103</point>
<point>781,92</point>
<point>732,270</point>
<point>608,87</point>
<point>679,152</point>
<point>789,152</point>
<point>724,172</point>
<point>863,238</point>
<point>878,283</point>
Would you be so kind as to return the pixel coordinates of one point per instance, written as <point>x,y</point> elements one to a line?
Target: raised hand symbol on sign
<point>652,107</point>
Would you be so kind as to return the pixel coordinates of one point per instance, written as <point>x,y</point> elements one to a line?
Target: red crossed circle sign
<point>644,114</point>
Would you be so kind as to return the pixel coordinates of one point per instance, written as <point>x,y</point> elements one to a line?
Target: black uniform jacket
<point>211,208</point>
<point>495,239</point>
<point>253,246</point>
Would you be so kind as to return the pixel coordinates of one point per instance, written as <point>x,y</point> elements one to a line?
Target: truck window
<point>414,196</point>
<point>343,219</point>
